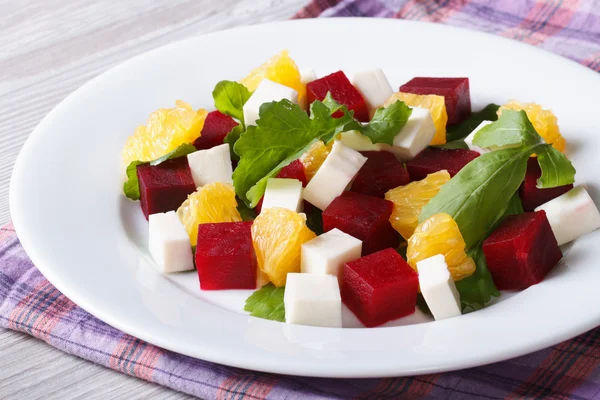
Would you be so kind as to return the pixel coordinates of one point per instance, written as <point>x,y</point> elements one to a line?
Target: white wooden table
<point>48,48</point>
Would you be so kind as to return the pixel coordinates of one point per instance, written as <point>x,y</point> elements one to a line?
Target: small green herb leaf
<point>181,151</point>
<point>131,187</point>
<point>247,214</point>
<point>387,122</point>
<point>267,303</point>
<point>478,289</point>
<point>557,170</point>
<point>231,138</point>
<point>512,129</point>
<point>462,130</point>
<point>457,144</point>
<point>230,98</point>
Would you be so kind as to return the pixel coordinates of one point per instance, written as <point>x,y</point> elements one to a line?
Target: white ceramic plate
<point>89,241</point>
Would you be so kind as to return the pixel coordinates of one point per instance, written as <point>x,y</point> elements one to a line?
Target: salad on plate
<point>319,192</point>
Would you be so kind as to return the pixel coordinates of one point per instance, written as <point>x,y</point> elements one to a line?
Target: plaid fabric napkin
<point>29,303</point>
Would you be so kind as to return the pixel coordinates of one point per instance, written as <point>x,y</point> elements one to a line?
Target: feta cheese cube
<point>438,288</point>
<point>374,87</point>
<point>469,139</point>
<point>266,91</point>
<point>212,165</point>
<point>336,173</point>
<point>571,215</point>
<point>311,299</point>
<point>169,243</point>
<point>284,193</point>
<point>326,254</point>
<point>307,75</point>
<point>415,136</point>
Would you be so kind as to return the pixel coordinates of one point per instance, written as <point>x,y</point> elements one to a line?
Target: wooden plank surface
<point>48,48</point>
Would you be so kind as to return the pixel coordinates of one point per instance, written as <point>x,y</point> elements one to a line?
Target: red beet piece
<point>380,173</point>
<point>341,91</point>
<point>521,251</point>
<point>455,91</point>
<point>364,217</point>
<point>165,186</point>
<point>432,160</point>
<point>533,197</point>
<point>216,126</point>
<point>380,287</point>
<point>225,257</point>
<point>294,170</point>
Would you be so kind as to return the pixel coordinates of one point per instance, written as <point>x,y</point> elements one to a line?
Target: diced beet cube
<point>379,287</point>
<point>294,170</point>
<point>455,91</point>
<point>225,256</point>
<point>521,251</point>
<point>165,186</point>
<point>216,126</point>
<point>432,160</point>
<point>365,217</point>
<point>380,173</point>
<point>341,91</point>
<point>531,196</point>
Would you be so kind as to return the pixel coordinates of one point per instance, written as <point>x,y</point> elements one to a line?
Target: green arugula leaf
<point>479,192</point>
<point>478,289</point>
<point>457,144</point>
<point>422,305</point>
<point>267,303</point>
<point>387,122</point>
<point>181,151</point>
<point>231,138</point>
<point>247,214</point>
<point>283,133</point>
<point>512,129</point>
<point>131,187</point>
<point>230,98</point>
<point>557,170</point>
<point>314,220</point>
<point>462,130</point>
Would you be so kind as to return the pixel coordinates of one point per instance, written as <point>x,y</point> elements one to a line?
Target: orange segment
<point>544,122</point>
<point>439,234</point>
<point>314,158</point>
<point>214,202</point>
<point>436,106</point>
<point>165,130</point>
<point>277,234</point>
<point>409,200</point>
<point>281,69</point>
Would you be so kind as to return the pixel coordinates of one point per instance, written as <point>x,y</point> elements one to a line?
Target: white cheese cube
<point>326,254</point>
<point>338,170</point>
<point>169,243</point>
<point>469,139</point>
<point>571,215</point>
<point>374,87</point>
<point>266,92</point>
<point>311,299</point>
<point>284,193</point>
<point>212,165</point>
<point>307,75</point>
<point>415,136</point>
<point>438,288</point>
